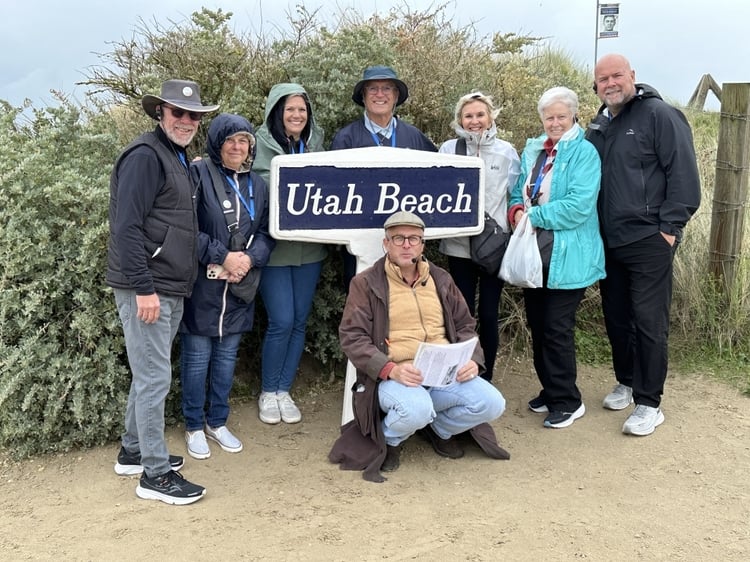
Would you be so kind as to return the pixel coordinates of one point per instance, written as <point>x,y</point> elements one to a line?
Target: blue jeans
<point>207,360</point>
<point>450,409</point>
<point>149,349</point>
<point>287,293</point>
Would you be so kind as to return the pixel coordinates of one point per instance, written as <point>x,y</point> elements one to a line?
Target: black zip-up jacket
<point>153,228</point>
<point>650,180</point>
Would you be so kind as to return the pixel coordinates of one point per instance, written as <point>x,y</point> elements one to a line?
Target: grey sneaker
<point>224,438</point>
<point>620,398</point>
<point>289,411</point>
<point>643,421</point>
<point>268,408</point>
<point>197,446</point>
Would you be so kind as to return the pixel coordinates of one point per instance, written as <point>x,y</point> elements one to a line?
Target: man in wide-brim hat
<point>152,265</point>
<point>380,92</point>
<point>178,109</point>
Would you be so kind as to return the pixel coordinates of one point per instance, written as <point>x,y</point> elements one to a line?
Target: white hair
<point>558,94</point>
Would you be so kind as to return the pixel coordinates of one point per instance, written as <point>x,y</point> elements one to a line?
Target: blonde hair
<point>474,96</point>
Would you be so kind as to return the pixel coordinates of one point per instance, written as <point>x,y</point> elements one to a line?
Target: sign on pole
<point>345,196</point>
<point>609,17</point>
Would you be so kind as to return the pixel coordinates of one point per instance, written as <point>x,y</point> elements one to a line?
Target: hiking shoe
<point>129,464</point>
<point>538,405</point>
<point>169,488</point>
<point>224,438</point>
<point>289,411</point>
<point>620,398</point>
<point>444,447</point>
<point>392,458</point>
<point>558,420</point>
<point>197,446</point>
<point>268,408</point>
<point>643,421</point>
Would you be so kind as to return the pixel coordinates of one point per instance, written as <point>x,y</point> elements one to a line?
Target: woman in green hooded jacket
<point>291,275</point>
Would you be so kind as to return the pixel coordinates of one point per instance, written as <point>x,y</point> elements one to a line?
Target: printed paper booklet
<point>440,362</point>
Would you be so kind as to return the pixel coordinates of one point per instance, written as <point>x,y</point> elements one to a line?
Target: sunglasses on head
<point>178,113</point>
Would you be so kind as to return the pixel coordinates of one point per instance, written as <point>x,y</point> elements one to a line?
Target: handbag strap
<point>461,146</point>
<point>226,205</point>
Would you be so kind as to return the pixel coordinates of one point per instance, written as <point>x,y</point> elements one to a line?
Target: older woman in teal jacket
<point>557,189</point>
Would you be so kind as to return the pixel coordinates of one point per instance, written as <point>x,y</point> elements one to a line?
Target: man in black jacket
<point>152,266</point>
<point>650,188</point>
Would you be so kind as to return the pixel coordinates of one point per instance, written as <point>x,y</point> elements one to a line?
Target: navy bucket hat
<point>379,73</point>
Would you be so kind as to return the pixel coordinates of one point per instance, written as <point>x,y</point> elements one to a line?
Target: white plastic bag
<point>522,263</point>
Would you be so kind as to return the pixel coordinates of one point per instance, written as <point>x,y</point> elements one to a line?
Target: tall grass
<point>711,326</point>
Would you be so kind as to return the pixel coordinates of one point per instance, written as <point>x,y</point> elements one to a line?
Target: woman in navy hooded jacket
<point>214,318</point>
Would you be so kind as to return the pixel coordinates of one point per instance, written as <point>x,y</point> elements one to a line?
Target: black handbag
<point>246,289</point>
<point>488,247</point>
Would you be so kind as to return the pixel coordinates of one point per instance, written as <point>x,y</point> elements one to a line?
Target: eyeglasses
<point>376,89</point>
<point>178,113</point>
<point>399,239</point>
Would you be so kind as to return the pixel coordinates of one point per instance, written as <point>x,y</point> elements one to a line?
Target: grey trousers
<point>149,356</point>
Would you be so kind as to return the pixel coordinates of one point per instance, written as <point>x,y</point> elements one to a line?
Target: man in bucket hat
<point>151,266</point>
<point>380,92</point>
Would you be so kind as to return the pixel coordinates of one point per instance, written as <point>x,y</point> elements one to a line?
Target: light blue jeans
<point>287,293</point>
<point>450,409</point>
<point>207,361</point>
<point>149,349</point>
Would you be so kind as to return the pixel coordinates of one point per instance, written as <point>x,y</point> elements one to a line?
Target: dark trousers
<point>551,315</point>
<point>467,275</point>
<point>636,298</point>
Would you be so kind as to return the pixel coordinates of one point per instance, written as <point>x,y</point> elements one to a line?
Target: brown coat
<point>363,332</point>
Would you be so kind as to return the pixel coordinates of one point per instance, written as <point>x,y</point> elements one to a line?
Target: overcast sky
<point>47,45</point>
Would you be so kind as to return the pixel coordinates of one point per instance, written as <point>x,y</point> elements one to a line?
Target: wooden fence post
<point>731,187</point>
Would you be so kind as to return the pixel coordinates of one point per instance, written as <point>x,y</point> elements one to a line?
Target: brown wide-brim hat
<point>379,73</point>
<point>179,93</point>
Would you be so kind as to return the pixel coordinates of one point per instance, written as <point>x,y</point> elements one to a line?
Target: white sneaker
<point>197,446</point>
<point>268,408</point>
<point>224,438</point>
<point>289,411</point>
<point>620,398</point>
<point>643,421</point>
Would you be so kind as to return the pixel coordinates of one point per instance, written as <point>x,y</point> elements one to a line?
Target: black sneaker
<point>559,420</point>
<point>169,488</point>
<point>129,464</point>
<point>538,405</point>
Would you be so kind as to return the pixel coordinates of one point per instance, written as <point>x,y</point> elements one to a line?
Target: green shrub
<point>63,371</point>
<point>63,377</point>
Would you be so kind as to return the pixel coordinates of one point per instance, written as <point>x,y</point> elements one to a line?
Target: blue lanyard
<point>251,207</point>
<point>301,147</point>
<point>539,178</point>
<point>376,138</point>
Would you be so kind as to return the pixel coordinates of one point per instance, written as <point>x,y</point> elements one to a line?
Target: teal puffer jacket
<point>577,259</point>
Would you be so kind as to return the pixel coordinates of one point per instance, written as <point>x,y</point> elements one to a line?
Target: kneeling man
<point>399,302</point>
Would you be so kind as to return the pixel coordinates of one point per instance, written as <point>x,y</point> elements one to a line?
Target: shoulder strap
<point>218,183</point>
<point>461,146</point>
